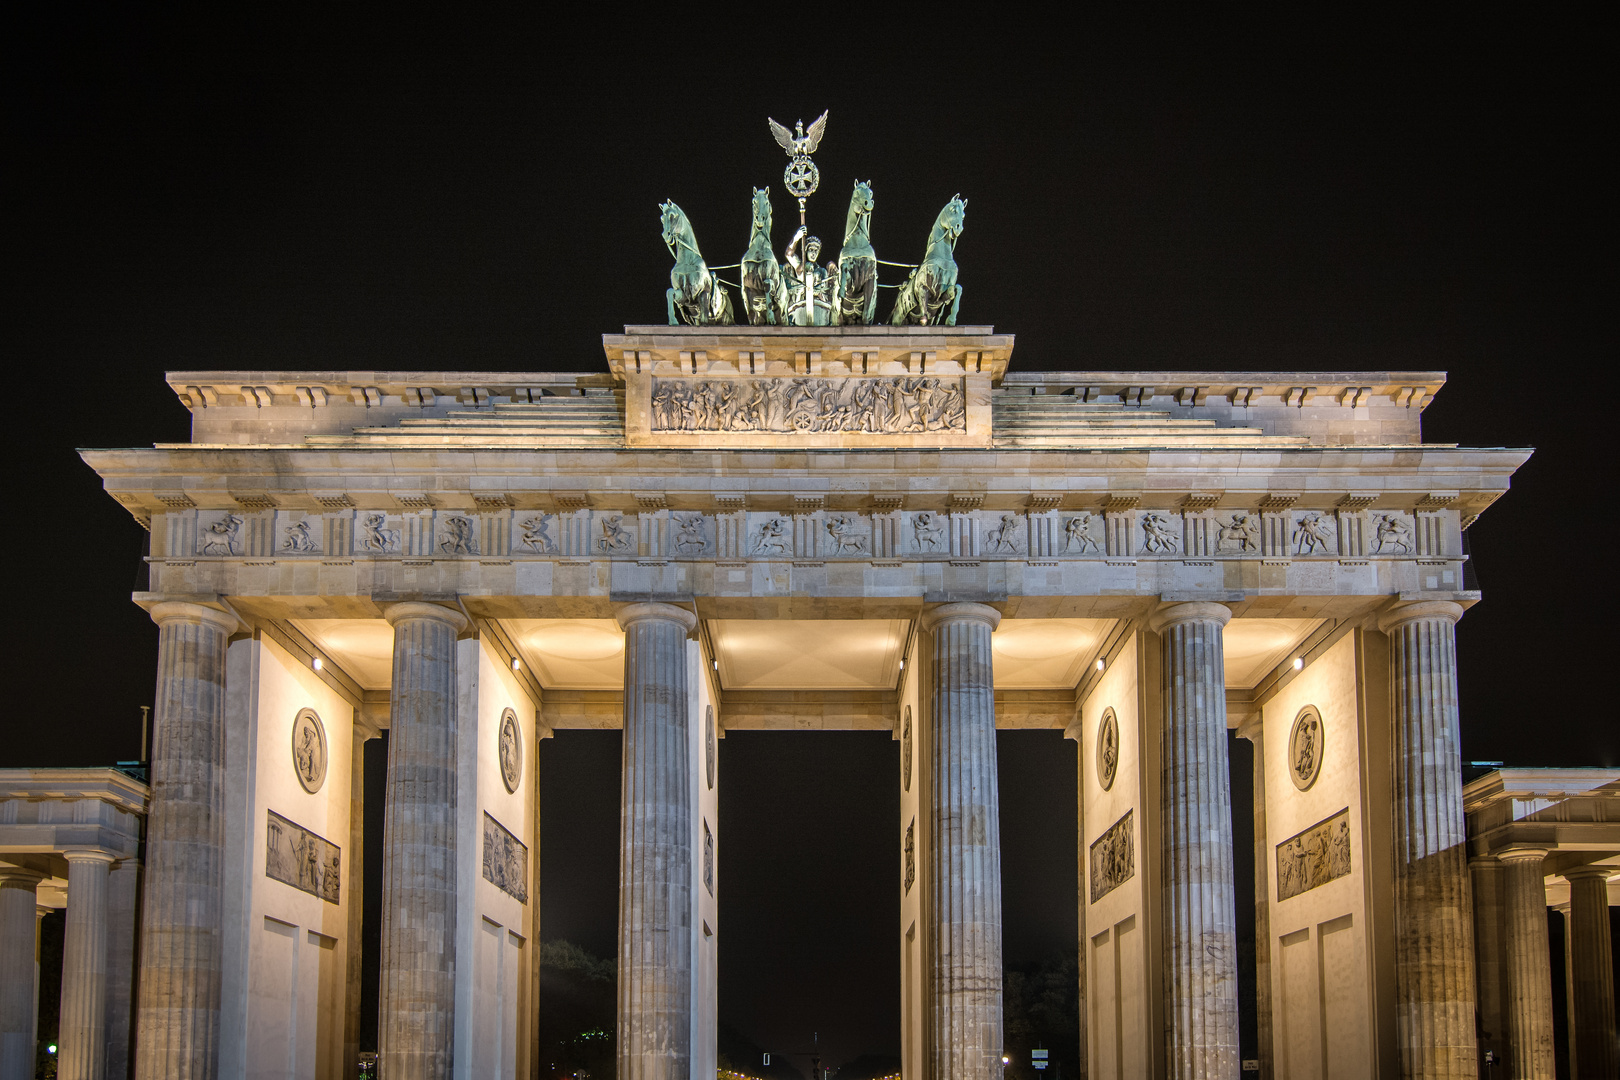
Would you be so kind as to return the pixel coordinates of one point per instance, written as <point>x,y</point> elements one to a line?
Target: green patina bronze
<point>857,263</point>
<point>932,285</point>
<point>763,288</point>
<point>695,296</point>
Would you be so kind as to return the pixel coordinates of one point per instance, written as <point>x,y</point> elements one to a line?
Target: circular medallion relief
<point>905,749</point>
<point>1107,749</point>
<point>708,745</point>
<point>1305,747</point>
<point>309,750</point>
<point>511,751</point>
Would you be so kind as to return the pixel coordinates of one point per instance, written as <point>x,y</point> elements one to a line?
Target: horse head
<point>949,223</point>
<point>762,210</point>
<point>860,207</point>
<point>676,228</point>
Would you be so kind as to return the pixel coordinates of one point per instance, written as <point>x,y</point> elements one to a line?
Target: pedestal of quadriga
<point>966,865</point>
<point>655,852</point>
<point>1435,991</point>
<point>416,1022</point>
<point>177,1032</point>
<point>1200,920</point>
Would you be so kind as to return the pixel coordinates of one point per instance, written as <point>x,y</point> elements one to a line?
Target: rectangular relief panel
<point>506,860</point>
<point>1113,858</point>
<point>306,861</point>
<point>1314,857</point>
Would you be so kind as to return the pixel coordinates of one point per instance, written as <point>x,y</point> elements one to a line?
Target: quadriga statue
<point>764,292</point>
<point>932,285</point>
<point>695,296</point>
<point>857,263</point>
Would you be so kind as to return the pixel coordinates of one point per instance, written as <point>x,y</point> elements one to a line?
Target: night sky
<point>387,193</point>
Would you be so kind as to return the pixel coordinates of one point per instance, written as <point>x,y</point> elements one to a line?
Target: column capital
<point>417,609</point>
<point>1522,853</point>
<point>181,611</point>
<point>1190,611</point>
<point>19,877</point>
<point>1423,609</point>
<point>629,614</point>
<point>944,613</point>
<point>89,854</point>
<point>1591,870</point>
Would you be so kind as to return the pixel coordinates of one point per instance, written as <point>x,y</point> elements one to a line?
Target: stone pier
<point>18,931</point>
<point>966,868</point>
<point>177,1022</point>
<point>1591,971</point>
<point>655,847</point>
<point>1200,919</point>
<point>82,1038</point>
<point>1435,991</point>
<point>416,1023</point>
<point>1529,964</point>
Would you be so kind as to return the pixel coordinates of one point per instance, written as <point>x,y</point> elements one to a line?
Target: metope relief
<point>928,531</point>
<point>1006,538</point>
<point>295,856</point>
<point>847,535</point>
<point>1077,537</point>
<point>1239,534</point>
<point>1113,858</point>
<point>309,750</point>
<point>1315,533</point>
<point>1305,747</point>
<point>1392,535</point>
<point>375,537</point>
<point>1107,749</point>
<point>890,405</point>
<point>614,537</point>
<point>691,535</point>
<point>1314,857</point>
<point>773,537</point>
<point>534,534</point>
<point>297,538</point>
<point>506,860</point>
<point>457,536</point>
<point>1159,535</point>
<point>222,537</point>
<point>511,751</point>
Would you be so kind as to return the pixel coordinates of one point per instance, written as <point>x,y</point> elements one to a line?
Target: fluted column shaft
<point>655,847</point>
<point>1435,991</point>
<point>177,1018</point>
<point>965,870</point>
<point>355,882</point>
<point>1197,874</point>
<point>82,1035</point>
<point>417,1000</point>
<point>18,930</point>
<point>1529,963</point>
<point>1591,971</point>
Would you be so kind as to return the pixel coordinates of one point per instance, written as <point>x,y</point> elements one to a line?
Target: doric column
<point>1530,1023</point>
<point>1255,733</point>
<point>655,847</point>
<point>18,930</point>
<point>417,1007</point>
<point>1591,970</point>
<point>123,895</point>
<point>82,1037</point>
<point>354,883</point>
<point>1433,921</point>
<point>1197,875</point>
<point>1491,970</point>
<point>965,870</point>
<point>177,1022</point>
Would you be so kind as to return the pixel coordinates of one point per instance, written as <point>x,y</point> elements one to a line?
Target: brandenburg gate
<point>805,527</point>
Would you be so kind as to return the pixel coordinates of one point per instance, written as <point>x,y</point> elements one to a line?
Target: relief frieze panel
<point>305,860</point>
<point>885,405</point>
<point>1113,858</point>
<point>1314,857</point>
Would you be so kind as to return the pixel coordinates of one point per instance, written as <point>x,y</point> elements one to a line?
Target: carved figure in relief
<point>857,263</point>
<point>297,538</point>
<point>1077,533</point>
<point>374,537</point>
<point>764,292</point>
<point>1243,531</point>
<point>695,296</point>
<point>535,534</point>
<point>1394,534</point>
<point>847,539</point>
<point>809,285</point>
<point>691,533</point>
<point>1313,535</point>
<point>932,286</point>
<point>772,538</point>
<point>929,531</point>
<point>615,537</point>
<point>458,537</point>
<point>1158,536</point>
<point>1005,538</point>
<point>886,405</point>
<point>221,537</point>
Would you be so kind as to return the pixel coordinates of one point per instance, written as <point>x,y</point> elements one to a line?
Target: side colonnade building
<point>807,528</point>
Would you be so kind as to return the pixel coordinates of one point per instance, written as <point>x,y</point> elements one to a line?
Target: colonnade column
<point>1198,877</point>
<point>1591,970</point>
<point>1433,920</point>
<point>177,1015</point>
<point>417,999</point>
<point>966,864</point>
<point>82,1036</point>
<point>19,930</point>
<point>1529,963</point>
<point>655,847</point>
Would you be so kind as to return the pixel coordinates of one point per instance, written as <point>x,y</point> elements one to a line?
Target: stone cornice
<point>107,785</point>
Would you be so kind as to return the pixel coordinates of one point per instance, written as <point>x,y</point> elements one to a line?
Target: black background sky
<point>396,192</point>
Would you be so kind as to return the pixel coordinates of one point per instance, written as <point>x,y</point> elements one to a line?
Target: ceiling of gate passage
<point>805,654</point>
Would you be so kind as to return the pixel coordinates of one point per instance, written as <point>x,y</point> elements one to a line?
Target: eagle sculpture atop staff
<point>802,177</point>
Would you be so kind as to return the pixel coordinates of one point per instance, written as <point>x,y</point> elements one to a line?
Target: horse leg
<point>956,304</point>
<point>669,296</point>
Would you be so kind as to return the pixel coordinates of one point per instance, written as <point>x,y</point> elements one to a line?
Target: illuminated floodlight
<point>316,663</point>
<point>1299,662</point>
